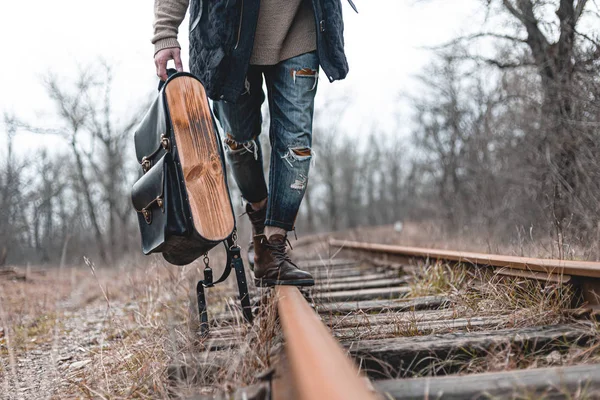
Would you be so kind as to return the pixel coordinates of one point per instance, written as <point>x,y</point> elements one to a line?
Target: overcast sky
<point>384,45</point>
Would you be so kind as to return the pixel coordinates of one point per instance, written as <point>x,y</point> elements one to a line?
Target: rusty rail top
<point>319,366</point>
<point>567,267</point>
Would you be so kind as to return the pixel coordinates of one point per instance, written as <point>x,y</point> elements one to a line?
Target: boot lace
<point>279,250</point>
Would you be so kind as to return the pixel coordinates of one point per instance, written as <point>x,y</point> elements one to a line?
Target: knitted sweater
<point>285,28</point>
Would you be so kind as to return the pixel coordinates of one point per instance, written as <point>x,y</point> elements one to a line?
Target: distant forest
<point>505,140</point>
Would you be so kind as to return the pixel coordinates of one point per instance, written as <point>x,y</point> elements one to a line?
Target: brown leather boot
<point>273,266</point>
<point>257,218</point>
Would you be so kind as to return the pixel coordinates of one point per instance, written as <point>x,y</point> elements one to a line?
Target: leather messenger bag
<point>182,198</point>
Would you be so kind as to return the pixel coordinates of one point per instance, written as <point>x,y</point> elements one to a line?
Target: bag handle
<point>170,72</point>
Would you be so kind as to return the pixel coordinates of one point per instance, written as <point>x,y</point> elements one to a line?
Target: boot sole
<point>276,282</point>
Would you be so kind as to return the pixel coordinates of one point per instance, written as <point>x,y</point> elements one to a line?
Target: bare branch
<point>480,35</point>
<point>579,9</point>
<point>513,10</point>
<point>494,62</point>
<point>588,38</point>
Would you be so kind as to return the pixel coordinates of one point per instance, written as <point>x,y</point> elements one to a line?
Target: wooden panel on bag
<point>199,154</point>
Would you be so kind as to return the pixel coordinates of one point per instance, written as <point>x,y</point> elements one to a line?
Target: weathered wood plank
<point>364,294</point>
<point>403,356</point>
<point>338,272</point>
<point>357,278</point>
<point>333,273</point>
<point>547,383</point>
<point>375,306</point>
<point>350,320</point>
<point>412,328</point>
<point>363,284</point>
<point>327,263</point>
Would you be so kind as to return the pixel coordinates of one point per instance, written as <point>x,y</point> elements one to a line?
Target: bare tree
<point>98,144</point>
<point>11,199</point>
<point>74,112</point>
<point>564,57</point>
<point>443,121</point>
<point>110,165</point>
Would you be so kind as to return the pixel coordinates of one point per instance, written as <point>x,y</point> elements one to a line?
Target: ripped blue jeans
<point>291,88</point>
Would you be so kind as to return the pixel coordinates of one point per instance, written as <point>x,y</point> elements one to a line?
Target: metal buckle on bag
<point>208,273</point>
<point>234,238</point>
<point>165,142</point>
<point>147,211</point>
<point>146,164</point>
<point>147,215</point>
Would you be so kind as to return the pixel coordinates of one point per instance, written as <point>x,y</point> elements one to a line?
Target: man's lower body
<point>291,88</point>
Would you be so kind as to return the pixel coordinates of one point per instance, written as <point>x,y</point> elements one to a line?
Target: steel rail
<point>567,267</point>
<point>319,367</point>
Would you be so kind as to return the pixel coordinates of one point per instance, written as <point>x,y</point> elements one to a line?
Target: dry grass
<point>518,302</point>
<point>438,278</point>
<point>131,331</point>
<point>480,291</point>
<point>117,333</point>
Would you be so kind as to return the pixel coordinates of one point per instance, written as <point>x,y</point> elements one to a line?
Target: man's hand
<point>163,56</point>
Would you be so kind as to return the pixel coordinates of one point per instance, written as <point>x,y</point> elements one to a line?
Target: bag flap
<point>149,189</point>
<point>198,150</point>
<point>148,135</point>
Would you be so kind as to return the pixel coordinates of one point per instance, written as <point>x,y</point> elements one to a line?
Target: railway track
<point>419,323</point>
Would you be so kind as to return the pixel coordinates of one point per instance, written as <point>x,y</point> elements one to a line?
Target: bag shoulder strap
<point>234,260</point>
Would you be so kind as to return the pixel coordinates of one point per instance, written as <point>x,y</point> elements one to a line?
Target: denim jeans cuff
<point>278,224</point>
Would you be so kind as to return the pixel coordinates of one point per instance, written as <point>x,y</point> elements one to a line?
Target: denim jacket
<point>222,37</point>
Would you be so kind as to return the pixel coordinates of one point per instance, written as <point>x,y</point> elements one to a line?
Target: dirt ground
<point>90,333</point>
